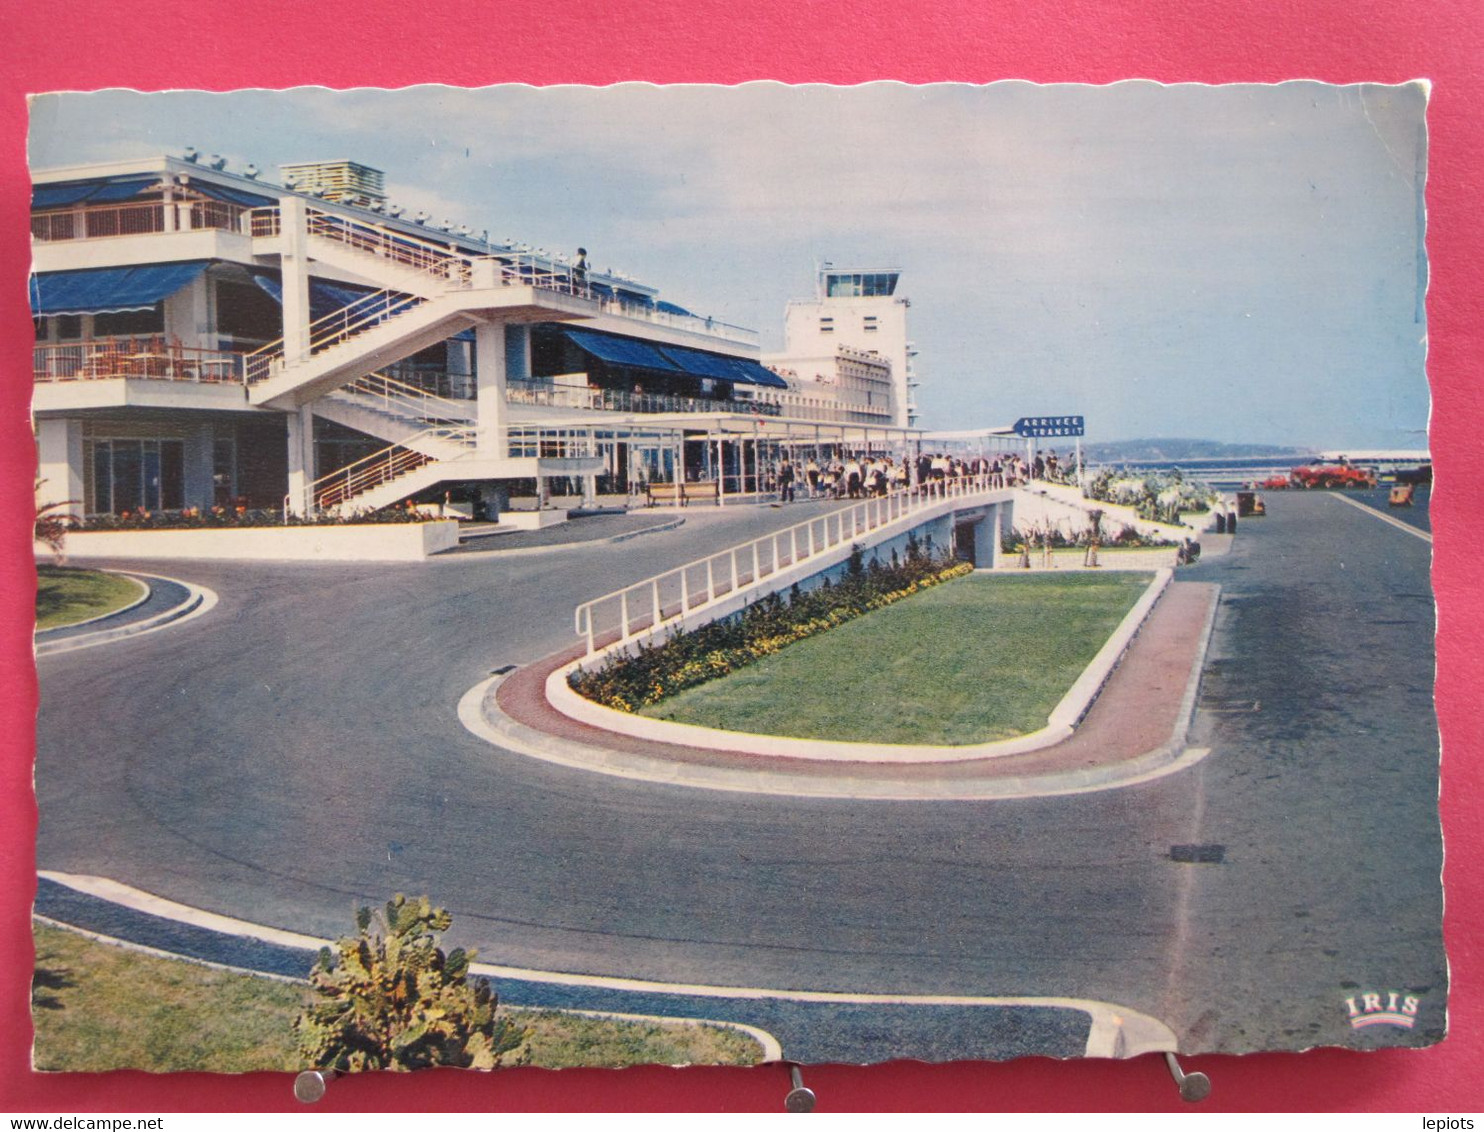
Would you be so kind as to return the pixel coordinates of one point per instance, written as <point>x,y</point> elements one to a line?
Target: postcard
<point>715,575</point>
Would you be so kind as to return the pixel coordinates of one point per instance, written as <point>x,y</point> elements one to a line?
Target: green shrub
<point>389,998</point>
<point>196,518</point>
<point>685,659</point>
<point>1158,497</point>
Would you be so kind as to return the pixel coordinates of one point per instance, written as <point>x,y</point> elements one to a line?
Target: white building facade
<point>860,311</point>
<point>205,339</point>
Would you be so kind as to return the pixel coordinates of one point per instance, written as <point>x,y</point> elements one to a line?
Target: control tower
<point>862,310</point>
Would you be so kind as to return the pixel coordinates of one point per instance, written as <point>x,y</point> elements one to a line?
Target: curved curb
<point>772,1049</point>
<point>1115,1031</point>
<point>42,634</point>
<point>199,601</point>
<point>479,714</point>
<point>1064,717</point>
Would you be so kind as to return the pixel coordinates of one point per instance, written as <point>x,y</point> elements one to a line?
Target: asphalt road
<point>295,753</point>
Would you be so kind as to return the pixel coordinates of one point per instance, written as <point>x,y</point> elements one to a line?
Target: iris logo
<point>1388,1008</point>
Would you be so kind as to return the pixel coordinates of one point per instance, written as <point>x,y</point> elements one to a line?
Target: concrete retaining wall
<point>370,542</point>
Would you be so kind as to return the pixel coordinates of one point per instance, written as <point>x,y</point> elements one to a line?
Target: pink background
<point>85,44</point>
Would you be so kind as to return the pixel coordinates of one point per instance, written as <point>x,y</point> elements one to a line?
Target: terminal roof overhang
<point>110,290</point>
<point>615,349</point>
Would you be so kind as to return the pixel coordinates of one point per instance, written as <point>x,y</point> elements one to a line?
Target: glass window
<point>223,471</point>
<point>128,475</point>
<point>69,326</point>
<point>150,467</point>
<point>102,476</point>
<point>128,324</point>
<point>172,475</point>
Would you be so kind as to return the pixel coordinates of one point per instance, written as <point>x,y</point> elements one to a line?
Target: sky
<point>1238,263</point>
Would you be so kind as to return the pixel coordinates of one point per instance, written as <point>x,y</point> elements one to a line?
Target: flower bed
<point>198,518</point>
<point>1157,497</point>
<point>686,659</point>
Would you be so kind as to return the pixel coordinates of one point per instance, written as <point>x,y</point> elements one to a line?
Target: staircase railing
<point>438,261</point>
<point>340,325</point>
<point>647,607</point>
<point>406,402</point>
<point>381,467</point>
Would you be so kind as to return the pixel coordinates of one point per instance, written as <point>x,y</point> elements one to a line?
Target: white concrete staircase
<point>374,335</point>
<point>394,411</point>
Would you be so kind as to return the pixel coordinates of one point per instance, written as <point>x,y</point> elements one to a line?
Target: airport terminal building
<point>205,338</point>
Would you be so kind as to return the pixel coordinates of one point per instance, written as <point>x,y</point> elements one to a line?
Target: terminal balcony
<point>93,222</point>
<point>150,357</point>
<point>595,398</point>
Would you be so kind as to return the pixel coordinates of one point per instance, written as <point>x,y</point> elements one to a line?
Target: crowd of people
<point>863,475</point>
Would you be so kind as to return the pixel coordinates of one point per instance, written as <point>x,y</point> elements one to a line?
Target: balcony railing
<point>92,222</point>
<point>149,357</point>
<point>622,401</point>
<point>696,324</point>
<point>448,262</point>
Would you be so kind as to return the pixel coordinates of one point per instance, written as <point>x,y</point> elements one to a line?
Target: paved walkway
<point>604,527</point>
<point>1134,729</point>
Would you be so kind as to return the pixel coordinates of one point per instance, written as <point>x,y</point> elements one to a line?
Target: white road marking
<point>1425,536</point>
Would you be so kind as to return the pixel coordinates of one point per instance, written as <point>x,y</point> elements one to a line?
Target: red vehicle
<point>1332,475</point>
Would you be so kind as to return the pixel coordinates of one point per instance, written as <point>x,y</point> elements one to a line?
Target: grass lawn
<point>97,1007</point>
<point>65,596</point>
<point>970,661</point>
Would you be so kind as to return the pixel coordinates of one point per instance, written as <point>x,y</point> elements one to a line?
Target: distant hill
<point>1174,449</point>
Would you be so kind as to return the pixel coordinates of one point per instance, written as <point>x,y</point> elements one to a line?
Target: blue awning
<point>671,308</point>
<point>231,195</point>
<point>754,374</point>
<point>69,193</point>
<point>619,351</point>
<point>110,290</point>
<point>324,297</point>
<point>700,363</point>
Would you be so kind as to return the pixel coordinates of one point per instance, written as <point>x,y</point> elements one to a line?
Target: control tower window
<point>865,285</point>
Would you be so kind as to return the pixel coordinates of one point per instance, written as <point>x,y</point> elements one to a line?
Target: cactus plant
<point>388,997</point>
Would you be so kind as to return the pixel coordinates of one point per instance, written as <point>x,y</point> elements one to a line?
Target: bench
<point>665,493</point>
<point>680,494</point>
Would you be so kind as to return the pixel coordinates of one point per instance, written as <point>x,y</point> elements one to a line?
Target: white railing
<point>382,393</point>
<point>695,323</point>
<point>93,222</point>
<point>340,325</point>
<point>647,607</point>
<point>390,463</point>
<point>449,265</point>
<point>622,401</point>
<point>145,356</point>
